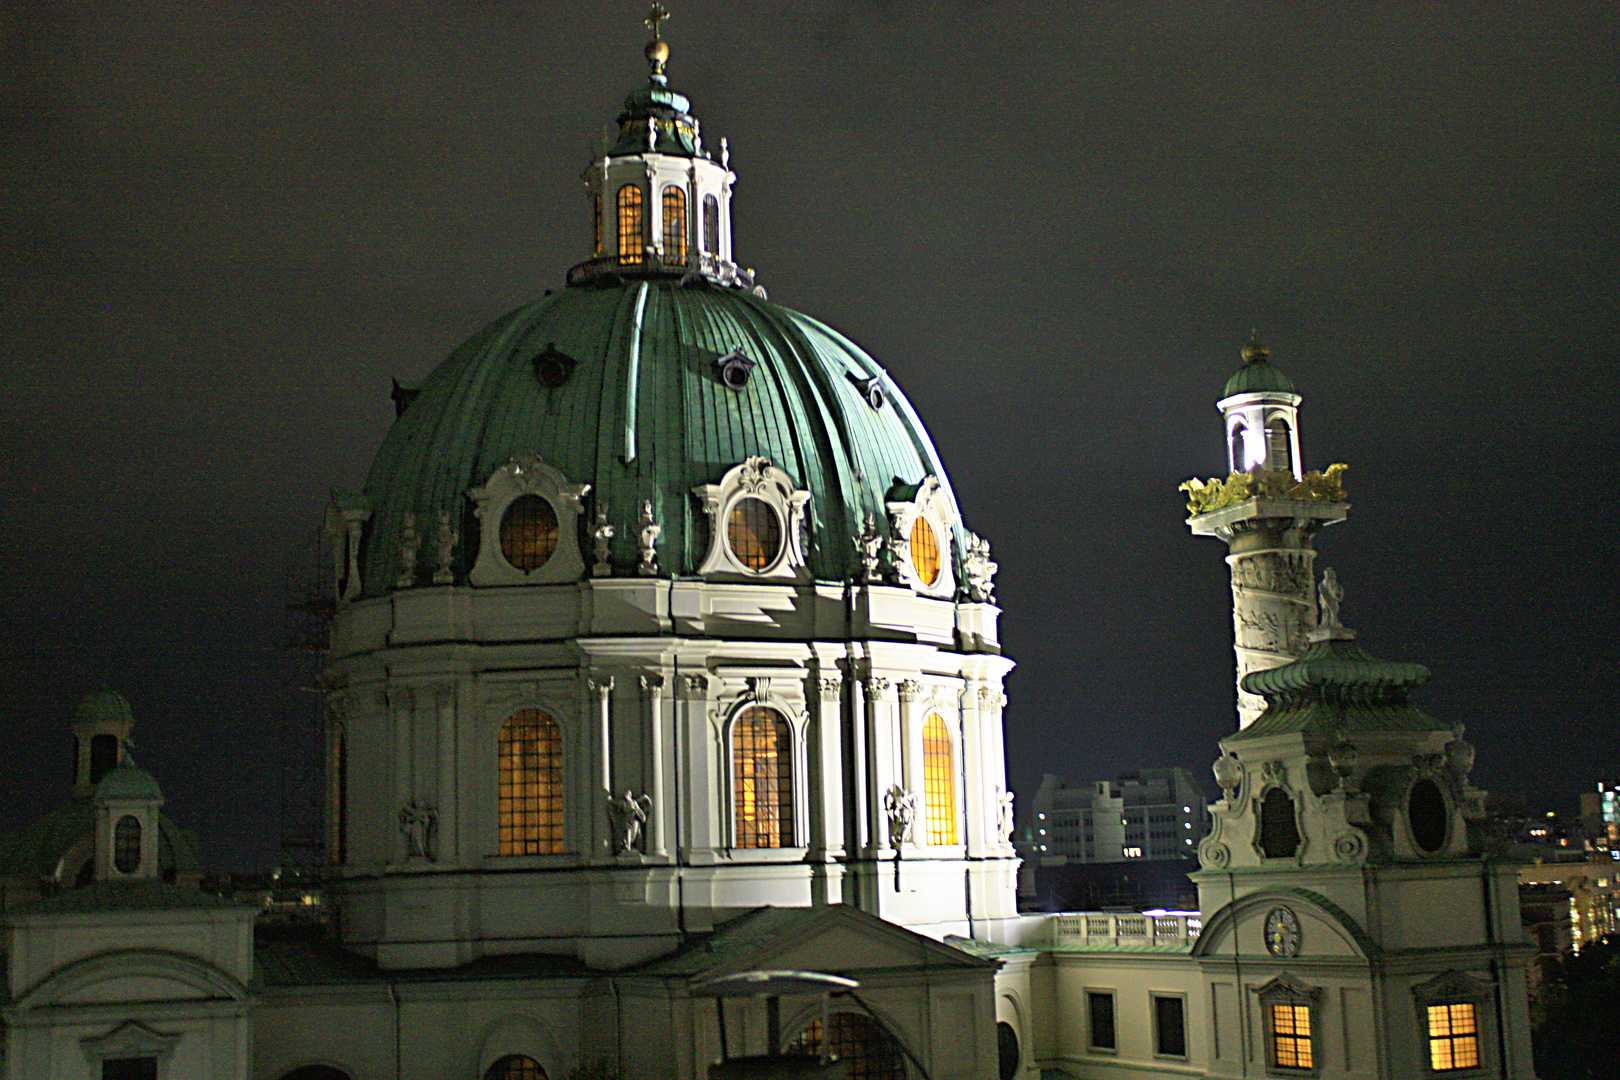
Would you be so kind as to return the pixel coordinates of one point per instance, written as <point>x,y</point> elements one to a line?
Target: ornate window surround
<point>758,695</point>
<point>130,1039</point>
<point>527,474</point>
<point>930,505</point>
<point>1406,837</point>
<point>1274,777</point>
<point>755,478</point>
<point>1285,989</point>
<point>1458,987</point>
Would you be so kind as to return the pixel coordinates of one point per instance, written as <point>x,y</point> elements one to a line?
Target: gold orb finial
<point>657,51</point>
<point>1255,351</point>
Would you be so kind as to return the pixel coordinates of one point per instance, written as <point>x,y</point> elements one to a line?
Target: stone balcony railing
<point>1107,930</point>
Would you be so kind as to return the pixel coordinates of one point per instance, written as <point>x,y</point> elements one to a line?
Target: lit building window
<point>939,781</point>
<point>515,1067</point>
<point>528,532</point>
<point>630,242</point>
<point>674,225</point>
<point>866,1051</point>
<point>127,845</point>
<point>530,785</point>
<point>754,533</point>
<point>924,551</point>
<point>711,224</point>
<point>1291,1046</point>
<point>1453,1036</point>
<point>762,779</point>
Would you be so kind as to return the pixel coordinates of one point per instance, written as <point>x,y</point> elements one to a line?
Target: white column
<point>653,686</point>
<point>601,687</point>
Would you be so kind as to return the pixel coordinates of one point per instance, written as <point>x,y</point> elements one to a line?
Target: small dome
<point>103,709</point>
<point>128,782</point>
<point>1257,376</point>
<point>806,406</point>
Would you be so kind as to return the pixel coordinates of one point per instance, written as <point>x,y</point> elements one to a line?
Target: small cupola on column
<point>1261,411</point>
<point>127,801</point>
<point>101,725</point>
<point>660,202</point>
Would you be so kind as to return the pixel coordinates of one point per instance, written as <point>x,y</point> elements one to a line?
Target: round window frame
<point>732,507</point>
<point>922,521</point>
<point>556,532</point>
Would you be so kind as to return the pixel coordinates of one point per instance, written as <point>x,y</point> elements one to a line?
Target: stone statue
<point>901,806</point>
<point>650,531</point>
<point>418,822</point>
<point>409,541</point>
<point>979,570</point>
<point>447,539</point>
<point>870,546</point>
<point>1004,816</point>
<point>627,814</point>
<point>1329,595</point>
<point>601,533</point>
<point>725,153</point>
<point>652,133</point>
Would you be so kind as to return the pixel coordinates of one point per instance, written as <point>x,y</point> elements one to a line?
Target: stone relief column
<point>1272,603</point>
<point>881,767</point>
<point>692,768</point>
<point>600,686</point>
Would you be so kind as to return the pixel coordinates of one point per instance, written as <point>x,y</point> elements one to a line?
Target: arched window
<point>103,756</point>
<point>528,532</point>
<point>939,781</point>
<point>866,1050</point>
<point>1280,455</point>
<point>1279,832</point>
<point>1238,462</point>
<point>630,241</point>
<point>711,224</point>
<point>674,225</point>
<point>316,1072</point>
<point>762,779</point>
<point>924,551</point>
<point>530,785</point>
<point>515,1067</point>
<point>127,844</point>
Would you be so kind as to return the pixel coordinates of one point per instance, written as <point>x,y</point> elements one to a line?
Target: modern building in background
<point>1150,814</point>
<point>662,654</point>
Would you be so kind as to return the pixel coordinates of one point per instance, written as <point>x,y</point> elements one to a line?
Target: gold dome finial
<point>1255,351</point>
<point>657,51</point>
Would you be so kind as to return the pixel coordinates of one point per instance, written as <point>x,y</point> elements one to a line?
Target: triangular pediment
<point>132,1039</point>
<point>1452,986</point>
<point>836,939</point>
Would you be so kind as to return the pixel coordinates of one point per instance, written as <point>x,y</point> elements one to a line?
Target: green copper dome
<point>103,708</point>
<point>1257,376</point>
<point>128,782</point>
<point>643,414</point>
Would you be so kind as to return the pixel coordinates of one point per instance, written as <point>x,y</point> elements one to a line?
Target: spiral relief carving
<point>1350,847</point>
<point>1215,856</point>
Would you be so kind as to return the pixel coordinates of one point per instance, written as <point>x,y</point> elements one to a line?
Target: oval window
<point>754,533</point>
<point>924,551</point>
<point>1426,811</point>
<point>528,532</point>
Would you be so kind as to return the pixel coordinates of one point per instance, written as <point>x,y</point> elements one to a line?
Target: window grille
<point>674,225</point>
<point>1291,1039</point>
<point>924,551</point>
<point>127,845</point>
<point>754,533</point>
<point>530,785</point>
<point>762,779</point>
<point>1453,1036</point>
<point>630,241</point>
<point>515,1067</point>
<point>528,532</point>
<point>1282,458</point>
<point>865,1049</point>
<point>711,224</point>
<point>939,781</point>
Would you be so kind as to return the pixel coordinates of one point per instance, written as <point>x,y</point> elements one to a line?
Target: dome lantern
<point>660,202</point>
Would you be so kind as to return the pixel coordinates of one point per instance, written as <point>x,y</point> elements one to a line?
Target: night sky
<point>226,226</point>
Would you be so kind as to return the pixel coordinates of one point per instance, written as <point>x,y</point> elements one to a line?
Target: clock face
<point>1282,932</point>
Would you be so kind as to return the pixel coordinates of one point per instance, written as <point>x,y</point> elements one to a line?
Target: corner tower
<point>1268,511</point>
<point>657,606</point>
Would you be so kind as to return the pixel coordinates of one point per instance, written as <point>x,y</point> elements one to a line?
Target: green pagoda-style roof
<point>1336,686</point>
<point>644,415</point>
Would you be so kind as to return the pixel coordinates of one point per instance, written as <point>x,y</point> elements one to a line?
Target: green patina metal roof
<point>103,708</point>
<point>1257,376</point>
<point>644,416</point>
<point>1335,685</point>
<point>36,850</point>
<point>676,132</point>
<point>127,781</point>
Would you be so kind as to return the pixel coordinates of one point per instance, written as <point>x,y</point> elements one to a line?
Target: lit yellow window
<point>753,532</point>
<point>1291,1037</point>
<point>762,779</point>
<point>939,781</point>
<point>630,241</point>
<point>674,225</point>
<point>924,551</point>
<point>1453,1036</point>
<point>530,785</point>
<point>528,532</point>
<point>515,1067</point>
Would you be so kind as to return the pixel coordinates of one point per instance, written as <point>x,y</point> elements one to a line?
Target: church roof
<point>645,415</point>
<point>104,708</point>
<point>37,850</point>
<point>1335,685</point>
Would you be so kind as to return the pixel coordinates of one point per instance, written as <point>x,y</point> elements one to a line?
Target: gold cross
<point>654,17</point>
